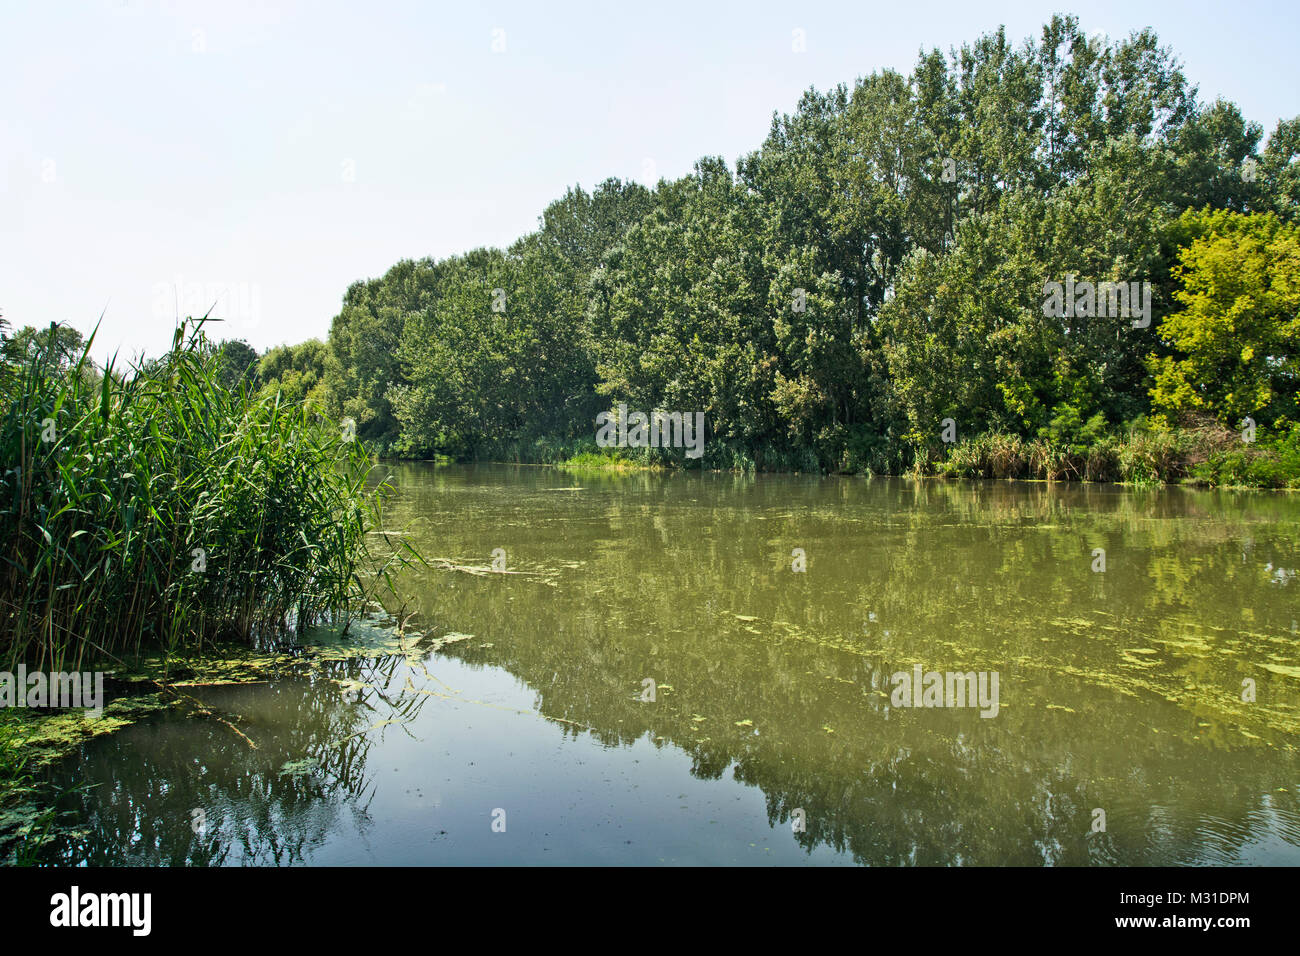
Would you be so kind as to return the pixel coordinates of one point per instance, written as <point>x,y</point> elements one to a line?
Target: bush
<point>1271,463</point>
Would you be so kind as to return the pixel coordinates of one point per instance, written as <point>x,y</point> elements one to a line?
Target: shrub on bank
<point>1268,464</point>
<point>1144,454</point>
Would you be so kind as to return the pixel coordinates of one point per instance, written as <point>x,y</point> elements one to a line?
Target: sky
<point>158,157</point>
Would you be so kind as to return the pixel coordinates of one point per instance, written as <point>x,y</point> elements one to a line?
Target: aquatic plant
<point>155,508</point>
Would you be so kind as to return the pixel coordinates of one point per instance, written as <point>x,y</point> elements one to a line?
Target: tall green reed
<point>155,508</point>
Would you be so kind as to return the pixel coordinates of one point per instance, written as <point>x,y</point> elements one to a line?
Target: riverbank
<point>1202,455</point>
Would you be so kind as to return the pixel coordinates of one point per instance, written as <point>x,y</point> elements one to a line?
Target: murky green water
<point>1119,691</point>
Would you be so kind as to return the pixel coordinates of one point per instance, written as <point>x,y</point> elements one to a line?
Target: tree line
<point>871,274</point>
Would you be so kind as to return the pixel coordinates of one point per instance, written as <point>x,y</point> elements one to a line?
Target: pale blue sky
<point>278,152</point>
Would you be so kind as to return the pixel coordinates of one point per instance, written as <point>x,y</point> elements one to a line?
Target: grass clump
<point>605,460</point>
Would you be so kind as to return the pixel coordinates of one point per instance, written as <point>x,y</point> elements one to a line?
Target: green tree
<point>62,342</point>
<point>1280,167</point>
<point>364,338</point>
<point>297,372</point>
<point>237,363</point>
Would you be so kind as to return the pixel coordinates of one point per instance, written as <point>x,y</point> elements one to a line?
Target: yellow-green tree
<point>1236,339</point>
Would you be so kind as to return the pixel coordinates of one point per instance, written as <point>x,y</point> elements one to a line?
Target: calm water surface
<point>1118,690</point>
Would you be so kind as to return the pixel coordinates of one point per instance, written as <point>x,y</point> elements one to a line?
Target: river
<point>701,669</point>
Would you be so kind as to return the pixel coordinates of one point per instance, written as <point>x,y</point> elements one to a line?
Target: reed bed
<point>156,509</point>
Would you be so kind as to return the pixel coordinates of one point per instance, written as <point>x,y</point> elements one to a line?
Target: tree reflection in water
<point>258,807</point>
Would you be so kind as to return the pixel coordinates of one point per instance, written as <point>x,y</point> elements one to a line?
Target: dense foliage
<point>877,266</point>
